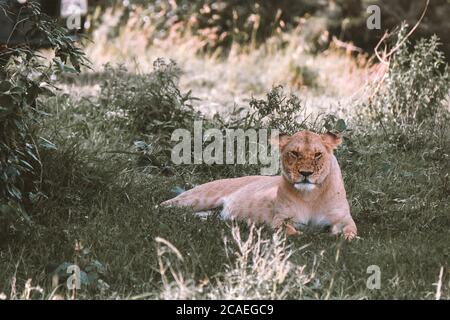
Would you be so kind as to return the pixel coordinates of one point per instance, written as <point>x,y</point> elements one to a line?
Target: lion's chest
<point>316,221</point>
<point>305,215</point>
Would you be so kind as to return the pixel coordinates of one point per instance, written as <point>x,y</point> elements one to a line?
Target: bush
<point>24,77</point>
<point>416,85</point>
<point>286,113</point>
<point>150,104</point>
<point>146,109</point>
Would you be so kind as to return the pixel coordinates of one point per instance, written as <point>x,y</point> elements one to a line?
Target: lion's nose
<point>306,174</point>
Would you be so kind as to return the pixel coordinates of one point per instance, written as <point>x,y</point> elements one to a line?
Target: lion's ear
<point>280,140</point>
<point>332,140</point>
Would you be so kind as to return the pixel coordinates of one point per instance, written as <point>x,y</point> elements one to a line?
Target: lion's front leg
<point>280,221</point>
<point>346,226</point>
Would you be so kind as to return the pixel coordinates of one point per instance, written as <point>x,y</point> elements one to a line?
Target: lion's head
<point>306,158</point>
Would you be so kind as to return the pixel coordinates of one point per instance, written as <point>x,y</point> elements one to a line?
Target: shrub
<point>146,109</point>
<point>149,104</point>
<point>286,113</point>
<point>24,77</point>
<point>416,85</point>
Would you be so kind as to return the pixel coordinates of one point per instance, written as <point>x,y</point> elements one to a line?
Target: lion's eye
<point>318,155</point>
<point>295,154</point>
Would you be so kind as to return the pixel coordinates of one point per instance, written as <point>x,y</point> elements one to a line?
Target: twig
<point>122,152</point>
<point>385,58</point>
<point>439,284</point>
<point>402,41</point>
<point>15,26</point>
<point>349,47</point>
<point>410,32</point>
<point>386,34</point>
<point>41,174</point>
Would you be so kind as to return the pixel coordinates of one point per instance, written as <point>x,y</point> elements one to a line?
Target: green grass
<point>103,193</point>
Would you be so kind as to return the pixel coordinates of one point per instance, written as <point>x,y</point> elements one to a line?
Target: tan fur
<point>289,199</point>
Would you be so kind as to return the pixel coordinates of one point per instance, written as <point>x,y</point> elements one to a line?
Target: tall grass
<point>258,268</point>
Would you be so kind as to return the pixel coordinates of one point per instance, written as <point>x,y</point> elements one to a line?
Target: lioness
<point>310,190</point>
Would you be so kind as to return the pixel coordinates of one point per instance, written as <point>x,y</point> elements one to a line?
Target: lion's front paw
<point>290,230</point>
<point>349,232</point>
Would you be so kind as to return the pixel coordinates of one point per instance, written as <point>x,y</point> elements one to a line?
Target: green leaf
<point>340,126</point>
<point>46,144</point>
